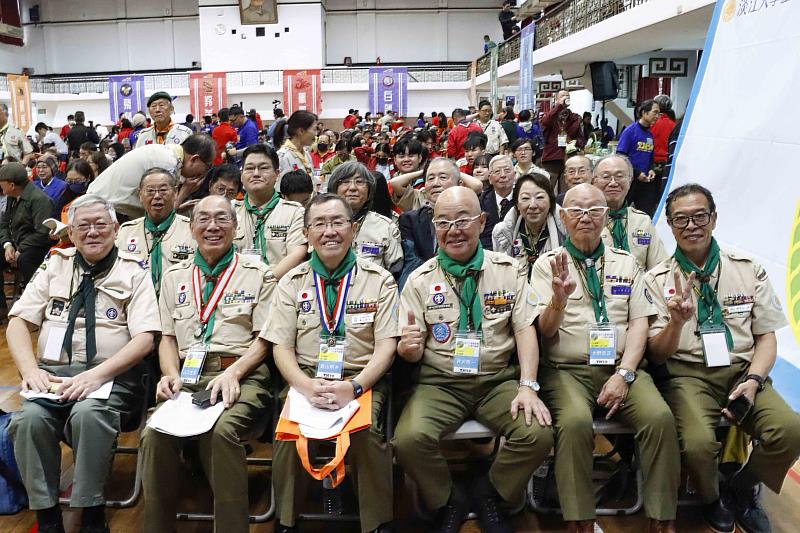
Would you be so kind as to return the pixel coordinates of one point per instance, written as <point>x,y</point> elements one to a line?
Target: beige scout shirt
<point>176,135</point>
<point>505,299</point>
<point>14,143</point>
<point>283,229</point>
<point>378,240</point>
<point>412,199</point>
<point>242,311</point>
<point>625,297</point>
<point>123,307</point>
<point>643,241</point>
<point>370,314</point>
<point>176,245</point>
<point>750,306</point>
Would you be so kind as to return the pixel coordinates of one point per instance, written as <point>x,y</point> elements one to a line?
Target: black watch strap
<point>756,378</point>
<point>358,390</point>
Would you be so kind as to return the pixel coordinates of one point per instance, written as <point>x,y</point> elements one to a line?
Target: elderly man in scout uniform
<point>348,305</point>
<point>377,238</point>
<point>715,329</point>
<point>592,318</point>
<point>94,308</point>
<point>269,227</point>
<point>627,228</point>
<point>163,131</point>
<point>464,313</point>
<point>161,237</point>
<point>211,305</point>
<point>13,142</point>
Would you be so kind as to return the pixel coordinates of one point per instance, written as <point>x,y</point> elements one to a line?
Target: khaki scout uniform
<point>643,240</point>
<point>240,314</point>
<point>123,309</point>
<point>696,393</point>
<point>283,229</point>
<point>370,316</point>
<point>176,135</point>
<point>571,386</point>
<point>378,241</point>
<point>442,399</point>
<point>176,245</point>
<point>411,199</point>
<point>14,143</point>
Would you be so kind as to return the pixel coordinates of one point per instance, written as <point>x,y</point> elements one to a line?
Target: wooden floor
<point>784,509</point>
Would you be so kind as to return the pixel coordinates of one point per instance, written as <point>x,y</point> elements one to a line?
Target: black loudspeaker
<point>605,80</point>
<point>33,13</point>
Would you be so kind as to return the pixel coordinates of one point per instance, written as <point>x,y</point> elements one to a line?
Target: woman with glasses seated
<point>522,150</point>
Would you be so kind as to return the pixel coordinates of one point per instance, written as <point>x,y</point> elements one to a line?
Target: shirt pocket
<point>185,323</point>
<point>442,326</point>
<point>112,305</point>
<point>238,315</point>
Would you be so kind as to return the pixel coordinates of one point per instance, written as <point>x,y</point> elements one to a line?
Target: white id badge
<point>253,254</point>
<point>330,361</point>
<point>715,346</point>
<point>55,341</point>
<point>467,355</point>
<point>602,344</point>
<point>193,364</point>
<point>562,140</point>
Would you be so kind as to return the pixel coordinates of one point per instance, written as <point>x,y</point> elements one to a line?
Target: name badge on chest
<point>467,355</point>
<point>193,364</point>
<point>252,254</point>
<point>330,361</point>
<point>562,140</point>
<point>715,346</point>
<point>55,341</point>
<point>370,248</point>
<point>602,344</point>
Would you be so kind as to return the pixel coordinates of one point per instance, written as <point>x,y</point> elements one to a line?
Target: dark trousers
<point>556,169</point>
<point>645,195</point>
<point>27,263</point>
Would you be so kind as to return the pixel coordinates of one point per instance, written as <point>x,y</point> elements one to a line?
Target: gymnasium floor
<point>784,509</point>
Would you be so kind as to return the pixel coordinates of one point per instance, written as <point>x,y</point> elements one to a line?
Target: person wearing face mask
<point>78,176</point>
<point>530,228</point>
<point>380,161</point>
<point>322,151</point>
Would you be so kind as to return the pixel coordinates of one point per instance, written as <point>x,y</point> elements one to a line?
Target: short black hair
<point>686,190</point>
<point>475,139</point>
<point>189,118</point>
<point>235,111</point>
<point>343,144</point>
<point>411,146</point>
<point>89,146</point>
<point>41,125</point>
<point>483,103</point>
<point>201,145</point>
<point>524,115</point>
<point>265,150</point>
<point>324,198</point>
<point>519,142</point>
<point>226,171</point>
<point>296,182</point>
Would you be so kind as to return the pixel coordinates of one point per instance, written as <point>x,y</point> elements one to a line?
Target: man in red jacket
<point>350,120</point>
<point>223,134</point>
<point>661,131</point>
<point>462,128</point>
<point>562,128</point>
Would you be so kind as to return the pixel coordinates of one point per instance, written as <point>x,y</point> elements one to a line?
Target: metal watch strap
<point>530,383</point>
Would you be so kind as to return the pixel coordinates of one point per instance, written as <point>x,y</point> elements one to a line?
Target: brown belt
<point>226,361</point>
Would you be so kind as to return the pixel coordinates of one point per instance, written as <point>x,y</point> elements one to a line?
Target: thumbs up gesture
<point>412,340</point>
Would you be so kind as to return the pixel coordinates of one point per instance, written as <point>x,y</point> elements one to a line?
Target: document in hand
<point>102,393</point>
<point>316,423</point>
<point>181,418</point>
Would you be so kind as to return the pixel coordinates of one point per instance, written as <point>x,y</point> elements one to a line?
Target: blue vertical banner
<point>388,90</point>
<point>527,88</point>
<point>125,95</point>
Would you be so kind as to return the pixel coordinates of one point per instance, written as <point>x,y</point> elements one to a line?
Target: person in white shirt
<point>497,140</point>
<point>48,136</point>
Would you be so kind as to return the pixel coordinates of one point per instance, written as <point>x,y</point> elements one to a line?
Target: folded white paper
<point>102,393</point>
<point>58,228</point>
<point>316,423</point>
<point>181,418</point>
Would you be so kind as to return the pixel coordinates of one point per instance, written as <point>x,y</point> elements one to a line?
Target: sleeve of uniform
<point>166,303</point>
<point>767,314</point>
<point>640,304</point>
<point>32,305</point>
<point>525,304</point>
<point>295,236</point>
<point>264,303</point>
<point>656,251</point>
<point>654,290</point>
<point>281,328</point>
<point>141,318</point>
<point>410,301</point>
<point>386,323</point>
<point>394,252</point>
<point>406,202</point>
<point>542,284</point>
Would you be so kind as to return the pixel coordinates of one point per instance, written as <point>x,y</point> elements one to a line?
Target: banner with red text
<point>302,91</point>
<point>208,93</point>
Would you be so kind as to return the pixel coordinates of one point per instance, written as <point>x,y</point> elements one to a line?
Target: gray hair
<point>456,172</point>
<point>498,158</point>
<point>664,102</point>
<point>90,199</point>
<point>173,179</point>
<point>614,156</point>
<point>346,171</point>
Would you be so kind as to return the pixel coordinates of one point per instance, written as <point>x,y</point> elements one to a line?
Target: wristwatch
<point>358,390</point>
<point>758,379</point>
<point>530,383</point>
<point>628,375</point>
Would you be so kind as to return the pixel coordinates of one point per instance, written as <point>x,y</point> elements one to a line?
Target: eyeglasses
<point>502,170</point>
<point>219,220</point>
<point>151,191</point>
<point>578,172</point>
<point>338,224</point>
<point>619,178</point>
<point>224,191</point>
<point>442,224</point>
<point>523,149</point>
<point>358,182</point>
<point>99,227</point>
<point>682,221</point>
<point>594,213</point>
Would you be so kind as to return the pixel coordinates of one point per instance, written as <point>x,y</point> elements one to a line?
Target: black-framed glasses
<point>682,221</point>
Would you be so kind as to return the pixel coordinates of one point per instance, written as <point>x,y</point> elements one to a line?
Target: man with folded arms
<point>211,307</point>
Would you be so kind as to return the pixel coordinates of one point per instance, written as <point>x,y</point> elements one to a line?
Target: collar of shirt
<point>498,199</point>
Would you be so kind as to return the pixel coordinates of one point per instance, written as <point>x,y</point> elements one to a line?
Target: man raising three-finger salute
<point>464,313</point>
<point>212,305</point>
<point>592,317</point>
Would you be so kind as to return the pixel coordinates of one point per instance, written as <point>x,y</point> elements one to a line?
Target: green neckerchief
<point>331,281</point>
<point>158,231</point>
<point>469,303</point>
<point>709,311</point>
<point>85,299</point>
<point>618,232</point>
<point>211,275</point>
<point>261,217</point>
<point>593,285</point>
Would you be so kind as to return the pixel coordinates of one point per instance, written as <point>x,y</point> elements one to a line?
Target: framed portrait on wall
<point>258,11</point>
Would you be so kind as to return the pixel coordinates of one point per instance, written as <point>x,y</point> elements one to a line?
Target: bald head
<point>458,222</point>
<point>458,196</point>
<point>583,193</point>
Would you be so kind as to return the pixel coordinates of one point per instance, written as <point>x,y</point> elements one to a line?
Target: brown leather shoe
<point>661,526</point>
<point>583,526</point>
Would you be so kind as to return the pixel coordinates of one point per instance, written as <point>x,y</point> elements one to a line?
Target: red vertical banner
<point>302,91</point>
<point>20,101</point>
<point>208,93</point>
<point>10,26</point>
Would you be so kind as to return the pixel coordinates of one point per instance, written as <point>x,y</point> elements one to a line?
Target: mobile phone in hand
<point>739,408</point>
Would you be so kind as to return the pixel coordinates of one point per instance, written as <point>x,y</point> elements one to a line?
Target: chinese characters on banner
<point>527,88</point>
<point>302,91</point>
<point>20,101</point>
<point>388,90</point>
<point>208,92</point>
<point>125,95</point>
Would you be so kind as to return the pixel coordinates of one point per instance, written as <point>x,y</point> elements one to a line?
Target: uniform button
<point>441,318</point>
<point>303,321</point>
